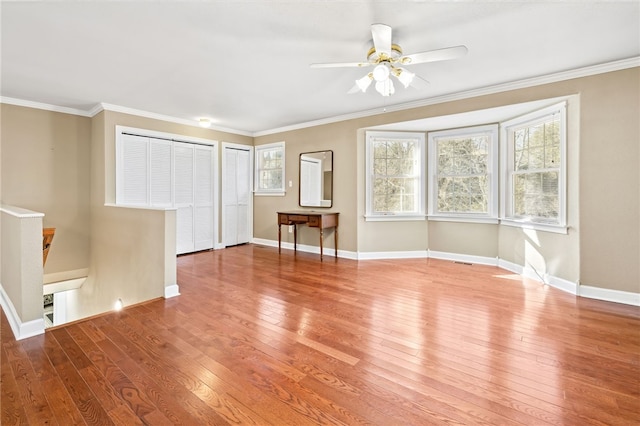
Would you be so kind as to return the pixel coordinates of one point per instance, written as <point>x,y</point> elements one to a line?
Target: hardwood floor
<point>258,338</point>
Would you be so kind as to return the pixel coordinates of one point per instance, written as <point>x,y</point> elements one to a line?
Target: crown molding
<point>489,90</point>
<point>43,106</point>
<point>140,113</point>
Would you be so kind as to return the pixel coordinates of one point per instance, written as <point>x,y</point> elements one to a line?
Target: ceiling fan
<point>387,59</point>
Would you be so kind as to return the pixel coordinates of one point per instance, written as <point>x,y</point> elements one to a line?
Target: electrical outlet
<point>290,229</point>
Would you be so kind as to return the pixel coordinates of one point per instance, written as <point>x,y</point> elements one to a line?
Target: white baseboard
<point>608,295</point>
<point>531,273</point>
<point>171,291</point>
<point>378,255</point>
<point>617,296</point>
<point>327,251</point>
<point>21,330</point>
<point>466,258</point>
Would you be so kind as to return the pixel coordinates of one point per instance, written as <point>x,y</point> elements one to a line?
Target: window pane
<point>536,195</point>
<point>536,166</point>
<point>395,174</point>
<point>462,174</point>
<point>269,168</point>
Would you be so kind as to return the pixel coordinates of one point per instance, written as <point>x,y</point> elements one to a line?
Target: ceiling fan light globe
<point>381,73</point>
<point>385,88</point>
<point>405,77</point>
<point>364,82</point>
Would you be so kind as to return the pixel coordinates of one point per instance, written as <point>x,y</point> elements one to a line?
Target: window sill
<point>269,194</point>
<point>394,218</point>
<point>557,229</point>
<point>489,220</point>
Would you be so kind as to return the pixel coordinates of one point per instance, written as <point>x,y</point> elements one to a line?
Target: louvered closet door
<point>160,187</point>
<point>133,171</point>
<point>236,196</point>
<point>203,198</point>
<point>184,196</point>
<point>244,193</point>
<point>230,197</point>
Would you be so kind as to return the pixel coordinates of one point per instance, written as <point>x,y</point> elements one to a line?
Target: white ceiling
<point>245,63</point>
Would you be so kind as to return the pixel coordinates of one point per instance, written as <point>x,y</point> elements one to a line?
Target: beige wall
<point>602,247</point>
<point>45,168</point>
<point>610,181</point>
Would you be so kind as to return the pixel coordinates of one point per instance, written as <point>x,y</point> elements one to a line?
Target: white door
<point>236,197</point>
<point>184,193</point>
<point>310,181</point>
<point>203,198</point>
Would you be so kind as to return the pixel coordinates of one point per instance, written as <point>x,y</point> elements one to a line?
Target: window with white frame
<point>462,173</point>
<point>395,176</point>
<point>269,173</point>
<point>535,168</point>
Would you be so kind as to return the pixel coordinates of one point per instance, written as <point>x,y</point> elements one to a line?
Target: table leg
<point>279,237</point>
<point>321,240</point>
<point>335,240</point>
<point>295,237</point>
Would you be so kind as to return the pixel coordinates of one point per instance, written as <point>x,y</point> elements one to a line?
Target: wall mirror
<point>316,179</point>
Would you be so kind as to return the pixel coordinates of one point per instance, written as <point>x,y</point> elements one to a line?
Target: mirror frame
<point>300,178</point>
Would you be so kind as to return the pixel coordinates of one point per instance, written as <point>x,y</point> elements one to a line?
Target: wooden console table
<point>312,219</point>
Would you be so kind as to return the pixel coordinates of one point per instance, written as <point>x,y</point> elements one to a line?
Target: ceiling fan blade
<point>434,55</point>
<point>381,34</point>
<point>340,65</point>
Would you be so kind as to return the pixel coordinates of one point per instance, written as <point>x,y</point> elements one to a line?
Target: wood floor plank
<point>262,338</point>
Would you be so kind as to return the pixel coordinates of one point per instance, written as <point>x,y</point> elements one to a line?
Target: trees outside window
<point>269,172</point>
<point>462,170</point>
<point>395,174</point>
<point>535,167</point>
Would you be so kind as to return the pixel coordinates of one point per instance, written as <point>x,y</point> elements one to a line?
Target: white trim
<point>464,258</point>
<point>171,291</point>
<point>327,251</point>
<point>538,226</point>
<point>146,133</point>
<point>488,90</point>
<point>379,255</point>
<point>65,275</point>
<point>532,273</point>
<point>45,106</point>
<point>461,218</point>
<point>608,295</point>
<point>394,218</point>
<point>139,113</point>
<point>63,285</point>
<point>21,330</point>
<point>19,211</point>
